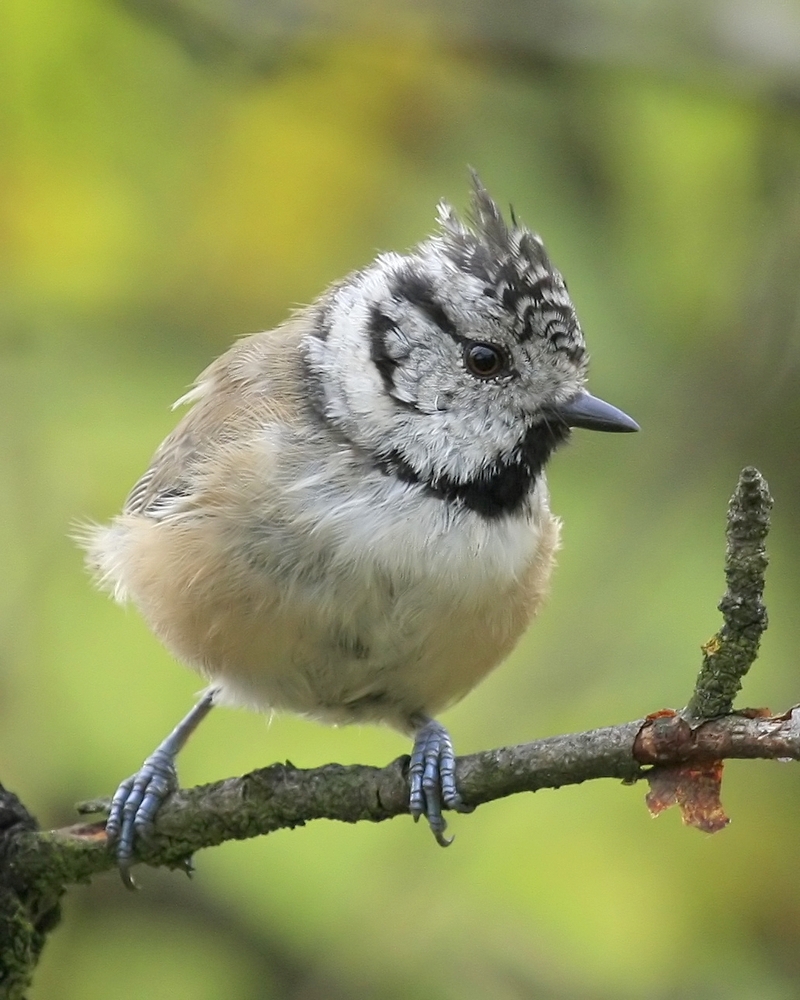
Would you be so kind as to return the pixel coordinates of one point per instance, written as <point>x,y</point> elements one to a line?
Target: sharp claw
<point>127,878</point>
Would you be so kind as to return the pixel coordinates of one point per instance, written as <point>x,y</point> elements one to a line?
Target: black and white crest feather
<point>515,267</point>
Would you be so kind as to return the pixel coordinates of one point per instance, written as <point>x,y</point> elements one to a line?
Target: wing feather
<point>256,383</point>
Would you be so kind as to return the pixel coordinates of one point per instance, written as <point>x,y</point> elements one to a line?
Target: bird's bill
<point>592,413</point>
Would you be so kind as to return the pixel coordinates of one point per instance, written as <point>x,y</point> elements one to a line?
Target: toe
<point>114,821</point>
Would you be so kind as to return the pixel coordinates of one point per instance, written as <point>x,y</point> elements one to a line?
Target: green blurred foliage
<point>153,206</point>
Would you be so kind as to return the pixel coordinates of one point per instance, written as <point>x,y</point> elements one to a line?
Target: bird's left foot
<point>134,806</point>
<point>432,776</point>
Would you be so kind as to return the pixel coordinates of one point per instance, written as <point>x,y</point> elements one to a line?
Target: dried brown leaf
<point>695,789</point>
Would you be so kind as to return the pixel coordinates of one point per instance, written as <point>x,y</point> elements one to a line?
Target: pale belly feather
<point>382,619</point>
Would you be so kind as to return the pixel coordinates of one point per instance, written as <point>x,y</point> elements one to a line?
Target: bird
<point>351,522</point>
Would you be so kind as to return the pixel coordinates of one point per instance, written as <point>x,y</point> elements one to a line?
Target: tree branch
<point>729,654</point>
<point>680,754</point>
<point>283,796</point>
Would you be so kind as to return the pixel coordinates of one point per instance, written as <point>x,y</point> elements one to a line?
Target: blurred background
<point>176,173</point>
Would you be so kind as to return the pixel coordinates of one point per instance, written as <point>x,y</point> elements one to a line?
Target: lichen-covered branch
<point>29,906</point>
<point>282,796</point>
<point>729,654</point>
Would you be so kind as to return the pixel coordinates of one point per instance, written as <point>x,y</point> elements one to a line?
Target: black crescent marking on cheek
<point>378,326</point>
<point>418,291</point>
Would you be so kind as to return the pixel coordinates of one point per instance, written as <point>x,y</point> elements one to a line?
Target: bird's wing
<point>258,382</point>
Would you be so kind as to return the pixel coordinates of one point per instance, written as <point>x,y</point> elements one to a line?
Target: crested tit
<point>351,522</point>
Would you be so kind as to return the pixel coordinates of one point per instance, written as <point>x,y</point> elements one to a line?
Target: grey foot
<point>138,798</point>
<point>135,804</point>
<point>432,776</point>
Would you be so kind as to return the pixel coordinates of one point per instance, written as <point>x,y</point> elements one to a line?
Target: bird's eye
<point>484,360</point>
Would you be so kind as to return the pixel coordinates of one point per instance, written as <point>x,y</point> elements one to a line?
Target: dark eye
<point>484,360</point>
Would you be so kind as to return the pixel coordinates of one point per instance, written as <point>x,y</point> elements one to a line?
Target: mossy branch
<point>729,654</point>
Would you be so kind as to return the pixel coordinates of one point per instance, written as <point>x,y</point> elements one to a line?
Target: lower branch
<point>282,796</point>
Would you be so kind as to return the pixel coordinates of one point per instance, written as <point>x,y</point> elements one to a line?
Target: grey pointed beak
<point>588,411</point>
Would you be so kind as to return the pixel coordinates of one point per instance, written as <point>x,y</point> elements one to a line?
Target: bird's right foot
<point>138,798</point>
<point>432,777</point>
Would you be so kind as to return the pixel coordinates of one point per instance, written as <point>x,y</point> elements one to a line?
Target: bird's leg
<point>432,776</point>
<point>138,798</point>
